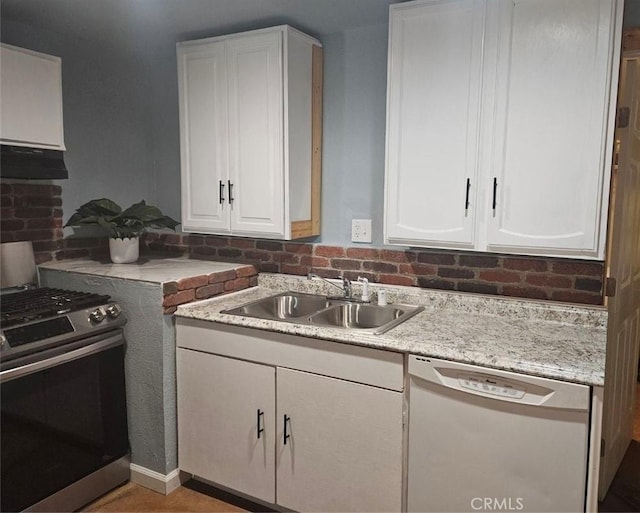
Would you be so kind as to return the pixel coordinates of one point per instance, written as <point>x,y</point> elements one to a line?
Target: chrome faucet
<point>346,284</point>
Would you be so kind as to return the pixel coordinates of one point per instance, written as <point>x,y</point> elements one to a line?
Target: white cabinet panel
<point>250,134</point>
<point>222,403</point>
<point>31,97</point>
<point>515,96</point>
<point>203,132</point>
<point>553,82</point>
<point>255,125</point>
<point>343,450</point>
<point>435,58</point>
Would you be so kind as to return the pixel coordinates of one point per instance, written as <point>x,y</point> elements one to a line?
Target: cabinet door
<point>554,62</point>
<point>256,133</point>
<point>31,94</point>
<point>434,86</point>
<point>222,405</point>
<point>202,81</point>
<point>344,445</point>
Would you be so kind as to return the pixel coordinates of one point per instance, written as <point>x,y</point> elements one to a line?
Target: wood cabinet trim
<point>316,137</point>
<point>631,39</point>
<point>311,227</point>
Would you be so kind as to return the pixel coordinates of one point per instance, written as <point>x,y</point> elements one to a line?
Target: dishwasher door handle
<point>499,385</point>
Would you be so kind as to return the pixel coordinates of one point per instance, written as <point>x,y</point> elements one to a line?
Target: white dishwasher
<point>487,440</point>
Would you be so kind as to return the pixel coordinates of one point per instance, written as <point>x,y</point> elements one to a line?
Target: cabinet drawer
<point>365,365</point>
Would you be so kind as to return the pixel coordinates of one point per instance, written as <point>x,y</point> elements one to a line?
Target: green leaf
<point>143,212</point>
<point>78,219</point>
<point>102,206</point>
<point>121,223</point>
<point>108,226</point>
<point>164,222</point>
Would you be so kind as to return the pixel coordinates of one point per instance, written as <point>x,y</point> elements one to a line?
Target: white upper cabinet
<point>31,98</point>
<point>435,76</point>
<point>203,127</point>
<point>551,126</point>
<point>256,133</point>
<point>250,122</point>
<point>520,101</point>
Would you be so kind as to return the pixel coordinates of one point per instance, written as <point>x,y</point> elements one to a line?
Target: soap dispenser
<point>365,288</point>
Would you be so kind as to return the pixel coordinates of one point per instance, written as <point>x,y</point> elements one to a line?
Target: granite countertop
<point>153,270</point>
<point>553,340</point>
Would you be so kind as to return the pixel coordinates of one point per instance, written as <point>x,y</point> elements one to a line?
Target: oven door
<point>62,419</point>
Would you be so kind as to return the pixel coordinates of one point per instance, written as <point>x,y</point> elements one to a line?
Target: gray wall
<point>631,13</point>
<point>354,131</point>
<point>353,140</point>
<point>122,133</point>
<point>106,117</point>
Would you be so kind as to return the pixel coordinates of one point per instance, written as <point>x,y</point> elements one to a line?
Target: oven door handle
<point>30,368</point>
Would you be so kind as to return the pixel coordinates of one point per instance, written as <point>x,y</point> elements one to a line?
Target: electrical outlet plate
<point>361,230</point>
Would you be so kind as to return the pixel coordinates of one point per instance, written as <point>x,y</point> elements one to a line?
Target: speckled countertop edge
<point>150,269</point>
<point>557,341</point>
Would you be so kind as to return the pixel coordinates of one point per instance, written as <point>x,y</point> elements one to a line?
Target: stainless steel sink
<point>287,305</point>
<point>361,316</point>
<point>315,310</point>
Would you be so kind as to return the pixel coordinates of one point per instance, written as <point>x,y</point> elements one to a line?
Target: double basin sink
<point>317,310</point>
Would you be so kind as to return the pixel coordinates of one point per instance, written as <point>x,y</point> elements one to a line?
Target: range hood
<point>32,163</point>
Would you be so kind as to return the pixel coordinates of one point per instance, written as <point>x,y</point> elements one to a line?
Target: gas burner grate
<point>31,305</point>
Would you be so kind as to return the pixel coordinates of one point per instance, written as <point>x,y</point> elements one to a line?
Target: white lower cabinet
<point>304,439</point>
<point>344,445</point>
<point>220,403</point>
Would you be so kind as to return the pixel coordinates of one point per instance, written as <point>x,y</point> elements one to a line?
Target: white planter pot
<point>124,251</point>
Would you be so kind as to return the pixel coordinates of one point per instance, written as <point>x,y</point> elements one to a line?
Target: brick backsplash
<point>184,291</point>
<point>34,212</point>
<point>557,279</point>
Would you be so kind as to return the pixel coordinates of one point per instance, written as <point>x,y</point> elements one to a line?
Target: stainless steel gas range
<point>63,406</point>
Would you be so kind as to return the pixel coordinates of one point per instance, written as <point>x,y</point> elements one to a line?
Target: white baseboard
<point>156,481</point>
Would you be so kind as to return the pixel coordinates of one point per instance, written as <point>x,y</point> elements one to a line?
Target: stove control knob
<point>3,341</point>
<point>114,310</point>
<point>97,316</point>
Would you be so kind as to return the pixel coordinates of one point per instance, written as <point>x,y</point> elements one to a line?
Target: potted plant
<point>122,226</point>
